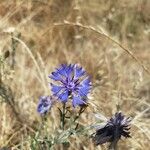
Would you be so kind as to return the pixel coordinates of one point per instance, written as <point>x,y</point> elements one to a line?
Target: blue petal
<point>64,96</point>
<point>77,101</point>
<point>55,76</point>
<point>84,87</point>
<point>78,72</point>
<point>86,82</point>
<point>69,69</point>
<point>44,104</point>
<point>62,70</point>
<point>83,91</point>
<point>56,89</point>
<point>41,109</point>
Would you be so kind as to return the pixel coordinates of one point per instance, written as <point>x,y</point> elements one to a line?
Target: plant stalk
<point>63,116</point>
<point>113,145</point>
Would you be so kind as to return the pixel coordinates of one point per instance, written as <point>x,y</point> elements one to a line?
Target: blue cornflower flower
<point>115,127</point>
<point>71,81</point>
<point>45,103</point>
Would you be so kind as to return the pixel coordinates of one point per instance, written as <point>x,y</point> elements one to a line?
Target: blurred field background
<point>41,34</point>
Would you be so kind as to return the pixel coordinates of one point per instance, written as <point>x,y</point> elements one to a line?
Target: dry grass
<point>46,40</point>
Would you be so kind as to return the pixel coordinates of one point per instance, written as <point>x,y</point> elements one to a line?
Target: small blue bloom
<point>44,104</point>
<point>70,81</point>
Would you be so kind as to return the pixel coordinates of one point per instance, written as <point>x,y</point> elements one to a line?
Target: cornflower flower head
<point>71,81</point>
<point>44,105</point>
<point>116,127</point>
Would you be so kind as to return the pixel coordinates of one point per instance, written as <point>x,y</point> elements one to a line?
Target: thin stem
<point>82,109</point>
<point>113,145</point>
<point>13,45</point>
<point>129,52</point>
<point>1,69</point>
<point>77,116</point>
<point>63,116</point>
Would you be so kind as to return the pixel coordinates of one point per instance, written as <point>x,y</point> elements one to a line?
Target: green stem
<point>63,116</point>
<point>82,109</point>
